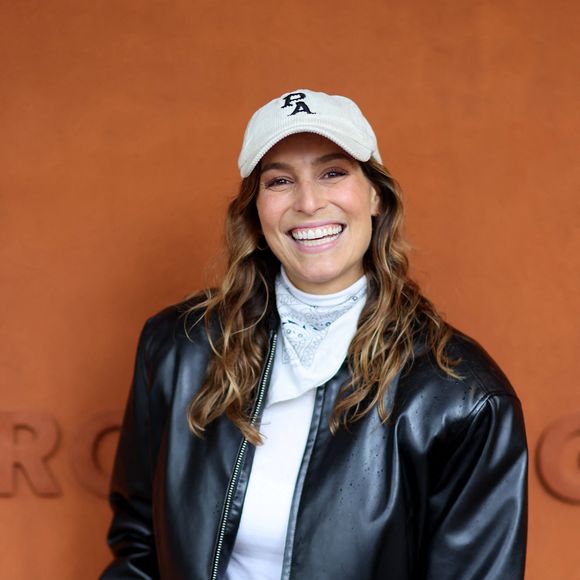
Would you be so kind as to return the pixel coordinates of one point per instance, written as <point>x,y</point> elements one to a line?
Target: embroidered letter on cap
<point>297,101</point>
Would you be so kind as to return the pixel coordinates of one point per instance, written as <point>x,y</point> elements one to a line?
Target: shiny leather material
<point>438,492</point>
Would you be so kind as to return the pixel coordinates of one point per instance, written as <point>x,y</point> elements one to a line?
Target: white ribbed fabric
<point>259,548</point>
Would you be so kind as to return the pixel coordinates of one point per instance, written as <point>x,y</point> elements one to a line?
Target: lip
<point>316,249</point>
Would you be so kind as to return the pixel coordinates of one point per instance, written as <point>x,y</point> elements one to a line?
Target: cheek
<point>268,214</point>
<point>360,206</point>
<point>260,207</point>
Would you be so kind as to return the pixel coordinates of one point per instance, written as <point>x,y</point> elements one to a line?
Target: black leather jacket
<point>438,492</point>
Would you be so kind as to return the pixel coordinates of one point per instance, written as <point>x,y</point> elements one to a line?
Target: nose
<point>309,197</point>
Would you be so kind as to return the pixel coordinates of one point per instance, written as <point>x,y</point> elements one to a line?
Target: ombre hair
<point>396,320</point>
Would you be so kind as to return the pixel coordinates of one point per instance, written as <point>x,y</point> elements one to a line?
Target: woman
<point>314,417</point>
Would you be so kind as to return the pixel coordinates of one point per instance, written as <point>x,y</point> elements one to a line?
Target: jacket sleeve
<point>477,514</point>
<point>131,536</point>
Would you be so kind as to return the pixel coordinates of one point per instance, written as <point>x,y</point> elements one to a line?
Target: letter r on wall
<point>28,454</point>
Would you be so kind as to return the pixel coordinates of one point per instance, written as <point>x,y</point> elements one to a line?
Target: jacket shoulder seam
<point>468,420</point>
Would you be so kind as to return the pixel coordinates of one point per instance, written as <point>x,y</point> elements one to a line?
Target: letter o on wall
<point>558,458</point>
<point>84,454</point>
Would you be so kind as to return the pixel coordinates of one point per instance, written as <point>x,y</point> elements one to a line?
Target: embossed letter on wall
<point>27,440</point>
<point>558,458</point>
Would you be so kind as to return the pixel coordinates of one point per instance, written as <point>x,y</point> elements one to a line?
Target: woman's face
<point>315,207</point>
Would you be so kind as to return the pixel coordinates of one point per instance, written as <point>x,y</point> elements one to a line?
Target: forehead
<point>302,145</point>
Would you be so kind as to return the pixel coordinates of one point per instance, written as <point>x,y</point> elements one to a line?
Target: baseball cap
<point>304,111</point>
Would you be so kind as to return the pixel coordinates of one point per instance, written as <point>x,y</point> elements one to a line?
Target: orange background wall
<point>120,128</point>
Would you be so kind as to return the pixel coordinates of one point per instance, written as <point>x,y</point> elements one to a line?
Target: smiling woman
<point>314,417</point>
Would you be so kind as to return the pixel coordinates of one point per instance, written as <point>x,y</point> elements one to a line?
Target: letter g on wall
<point>558,458</point>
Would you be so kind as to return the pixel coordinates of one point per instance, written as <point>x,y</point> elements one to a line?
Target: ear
<point>375,202</point>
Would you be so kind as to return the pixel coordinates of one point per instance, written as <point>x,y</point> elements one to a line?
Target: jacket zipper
<point>240,458</point>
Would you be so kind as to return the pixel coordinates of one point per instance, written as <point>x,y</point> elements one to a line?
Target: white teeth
<point>324,232</point>
<point>319,241</point>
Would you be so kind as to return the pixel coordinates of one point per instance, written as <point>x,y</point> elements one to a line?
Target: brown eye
<point>332,173</point>
<point>277,182</point>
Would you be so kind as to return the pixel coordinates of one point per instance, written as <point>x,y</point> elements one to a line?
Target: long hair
<point>395,320</point>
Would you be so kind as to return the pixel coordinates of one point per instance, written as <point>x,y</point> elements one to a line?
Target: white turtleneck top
<point>314,335</point>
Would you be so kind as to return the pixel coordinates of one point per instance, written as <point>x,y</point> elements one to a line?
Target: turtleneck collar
<point>306,319</point>
<point>328,300</point>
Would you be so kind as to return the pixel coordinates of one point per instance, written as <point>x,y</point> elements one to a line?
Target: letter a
<point>301,107</point>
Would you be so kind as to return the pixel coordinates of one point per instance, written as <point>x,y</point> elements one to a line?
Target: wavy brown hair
<point>396,321</point>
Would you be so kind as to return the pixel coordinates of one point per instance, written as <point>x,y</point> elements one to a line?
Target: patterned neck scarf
<point>307,318</point>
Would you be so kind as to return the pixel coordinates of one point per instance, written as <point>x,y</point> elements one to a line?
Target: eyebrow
<point>317,161</point>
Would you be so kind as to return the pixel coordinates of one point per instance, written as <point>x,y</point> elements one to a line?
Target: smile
<point>318,235</point>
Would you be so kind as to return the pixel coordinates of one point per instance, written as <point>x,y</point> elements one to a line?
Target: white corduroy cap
<point>303,111</point>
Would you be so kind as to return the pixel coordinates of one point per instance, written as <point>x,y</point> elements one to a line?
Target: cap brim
<point>350,145</point>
